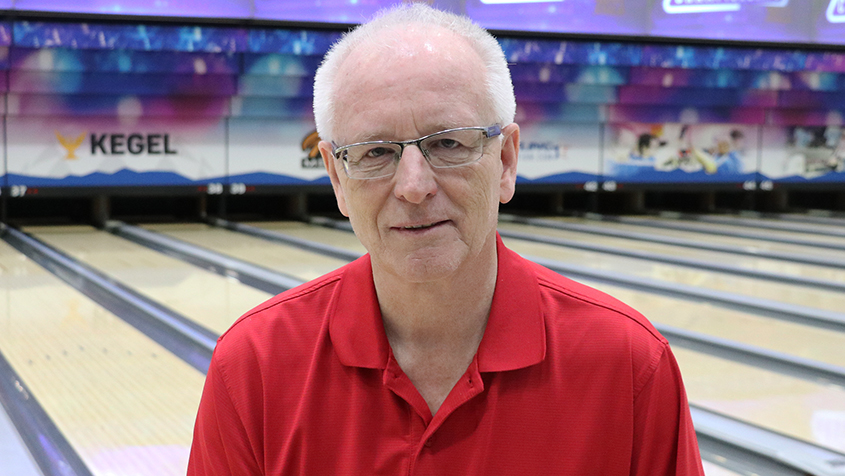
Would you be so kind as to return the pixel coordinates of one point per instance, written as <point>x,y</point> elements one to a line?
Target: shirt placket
<point>422,438</point>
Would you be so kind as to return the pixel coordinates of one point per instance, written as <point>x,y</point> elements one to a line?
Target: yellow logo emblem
<point>70,145</point>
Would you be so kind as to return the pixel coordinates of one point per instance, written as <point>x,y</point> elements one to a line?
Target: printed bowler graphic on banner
<point>802,154</point>
<point>658,153</point>
<point>274,152</point>
<point>558,152</point>
<point>103,152</point>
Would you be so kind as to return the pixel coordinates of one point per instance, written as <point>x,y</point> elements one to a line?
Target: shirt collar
<point>515,336</point>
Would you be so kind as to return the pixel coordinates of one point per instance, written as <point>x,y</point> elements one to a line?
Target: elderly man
<point>441,351</point>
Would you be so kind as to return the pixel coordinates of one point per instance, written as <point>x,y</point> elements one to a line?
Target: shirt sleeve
<point>664,437</point>
<point>221,444</point>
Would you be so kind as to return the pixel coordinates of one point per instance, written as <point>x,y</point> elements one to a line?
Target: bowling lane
<point>792,406</point>
<point>711,469</point>
<point>124,403</point>
<point>207,298</point>
<point>746,243</point>
<point>801,230</point>
<point>779,292</point>
<point>749,262</point>
<point>319,234</point>
<point>783,231</point>
<point>293,261</point>
<point>719,384</point>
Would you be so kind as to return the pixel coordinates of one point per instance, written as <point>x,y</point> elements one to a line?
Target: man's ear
<point>510,154</point>
<point>331,168</point>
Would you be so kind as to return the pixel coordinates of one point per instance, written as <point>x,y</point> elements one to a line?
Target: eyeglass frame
<point>489,133</point>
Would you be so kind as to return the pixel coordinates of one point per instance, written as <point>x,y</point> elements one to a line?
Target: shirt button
<point>429,442</point>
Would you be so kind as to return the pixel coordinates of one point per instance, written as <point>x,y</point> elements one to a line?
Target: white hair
<point>498,78</point>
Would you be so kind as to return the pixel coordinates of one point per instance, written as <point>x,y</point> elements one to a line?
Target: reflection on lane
<point>785,404</point>
<point>290,260</point>
<point>747,243</point>
<point>764,289</point>
<point>125,404</point>
<point>210,300</point>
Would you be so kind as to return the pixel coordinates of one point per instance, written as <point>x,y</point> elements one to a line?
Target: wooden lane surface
<point>785,225</point>
<point>785,404</point>
<point>764,289</point>
<point>296,262</point>
<point>327,236</point>
<point>793,406</point>
<point>711,469</point>
<point>794,231</point>
<point>207,298</point>
<point>125,404</point>
<point>750,262</point>
<point>747,243</point>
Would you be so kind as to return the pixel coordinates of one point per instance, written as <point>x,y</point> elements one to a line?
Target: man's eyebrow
<point>387,136</point>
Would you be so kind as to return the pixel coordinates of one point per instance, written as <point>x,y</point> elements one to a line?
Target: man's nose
<point>414,179</point>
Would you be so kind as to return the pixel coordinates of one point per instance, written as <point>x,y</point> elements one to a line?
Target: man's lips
<point>420,226</point>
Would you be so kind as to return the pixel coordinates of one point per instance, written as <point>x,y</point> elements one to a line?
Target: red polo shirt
<point>566,381</point>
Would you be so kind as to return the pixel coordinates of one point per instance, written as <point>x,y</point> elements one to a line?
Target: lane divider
<point>191,342</point>
<point>259,277</point>
<point>46,444</point>
<point>188,340</point>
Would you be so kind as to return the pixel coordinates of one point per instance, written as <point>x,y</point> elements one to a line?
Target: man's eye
<point>445,144</point>
<point>377,152</point>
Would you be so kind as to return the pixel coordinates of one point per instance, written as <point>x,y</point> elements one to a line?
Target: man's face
<point>421,224</point>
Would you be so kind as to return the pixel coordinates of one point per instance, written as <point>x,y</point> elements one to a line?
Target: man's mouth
<point>422,226</point>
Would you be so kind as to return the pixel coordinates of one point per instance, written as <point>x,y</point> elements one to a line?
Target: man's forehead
<point>408,47</point>
<point>431,73</point>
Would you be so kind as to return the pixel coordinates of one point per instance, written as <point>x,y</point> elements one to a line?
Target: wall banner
<point>274,152</point>
<point>114,151</point>
<point>680,153</point>
<point>558,152</point>
<point>803,154</point>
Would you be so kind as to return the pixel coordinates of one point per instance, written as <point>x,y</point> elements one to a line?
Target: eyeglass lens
<point>445,149</point>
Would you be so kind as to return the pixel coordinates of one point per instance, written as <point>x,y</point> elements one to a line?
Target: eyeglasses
<point>444,149</point>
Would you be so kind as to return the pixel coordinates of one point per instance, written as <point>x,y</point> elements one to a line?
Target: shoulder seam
<point>300,291</point>
<point>652,370</point>
<point>574,294</point>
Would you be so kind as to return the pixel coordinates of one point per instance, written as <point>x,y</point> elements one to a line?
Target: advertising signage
<point>779,21</point>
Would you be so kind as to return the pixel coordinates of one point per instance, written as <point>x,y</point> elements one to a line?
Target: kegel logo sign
<point>118,144</point>
<point>71,145</point>
<point>134,144</point>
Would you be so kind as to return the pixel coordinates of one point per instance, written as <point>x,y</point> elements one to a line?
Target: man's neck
<point>434,328</point>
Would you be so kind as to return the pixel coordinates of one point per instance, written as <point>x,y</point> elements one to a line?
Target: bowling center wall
<point>109,118</point>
